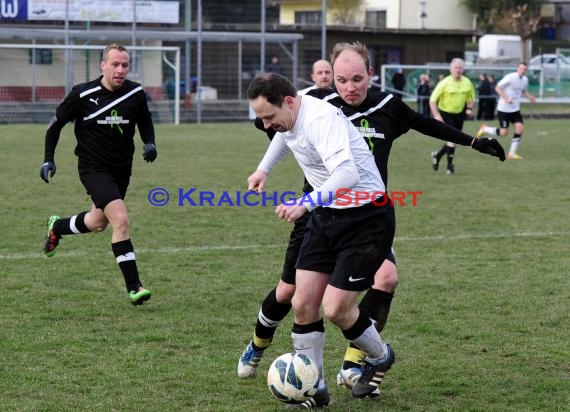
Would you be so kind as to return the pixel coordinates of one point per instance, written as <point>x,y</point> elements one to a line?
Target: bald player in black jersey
<point>381,118</point>
<point>106,112</point>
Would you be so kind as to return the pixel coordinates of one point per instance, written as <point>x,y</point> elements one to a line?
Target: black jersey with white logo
<point>105,122</point>
<point>381,118</point>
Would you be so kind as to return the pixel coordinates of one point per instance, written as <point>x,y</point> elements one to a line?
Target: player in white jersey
<point>510,90</point>
<point>349,233</point>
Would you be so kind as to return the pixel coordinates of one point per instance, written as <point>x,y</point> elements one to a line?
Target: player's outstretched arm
<point>442,131</point>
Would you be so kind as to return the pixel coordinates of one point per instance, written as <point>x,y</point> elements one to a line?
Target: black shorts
<point>294,247</point>
<point>104,184</point>
<point>506,118</point>
<point>349,244</point>
<point>454,120</point>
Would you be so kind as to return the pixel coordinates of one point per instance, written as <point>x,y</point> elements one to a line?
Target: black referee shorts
<point>104,184</point>
<point>454,120</point>
<point>349,244</point>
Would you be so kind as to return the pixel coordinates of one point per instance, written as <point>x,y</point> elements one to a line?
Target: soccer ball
<point>293,378</point>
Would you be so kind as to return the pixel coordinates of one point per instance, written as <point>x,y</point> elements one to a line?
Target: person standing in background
<point>485,95</point>
<point>399,82</point>
<point>423,92</point>
<point>492,103</point>
<point>274,66</point>
<point>450,102</point>
<point>321,75</point>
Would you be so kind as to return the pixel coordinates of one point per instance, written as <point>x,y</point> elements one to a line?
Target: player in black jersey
<point>381,118</point>
<point>105,112</point>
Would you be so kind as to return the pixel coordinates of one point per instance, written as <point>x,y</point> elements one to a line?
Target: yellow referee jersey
<point>452,95</point>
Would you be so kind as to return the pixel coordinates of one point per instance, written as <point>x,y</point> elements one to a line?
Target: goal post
<point>35,77</point>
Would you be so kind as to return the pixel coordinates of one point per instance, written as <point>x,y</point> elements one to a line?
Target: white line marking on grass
<point>204,248</point>
<point>481,236</point>
<point>207,248</point>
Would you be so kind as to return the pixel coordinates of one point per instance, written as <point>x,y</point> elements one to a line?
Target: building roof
<point>115,34</point>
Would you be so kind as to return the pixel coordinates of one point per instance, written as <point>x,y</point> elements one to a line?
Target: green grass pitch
<point>480,321</point>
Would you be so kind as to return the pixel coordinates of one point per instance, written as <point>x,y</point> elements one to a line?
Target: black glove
<point>149,152</point>
<point>489,146</point>
<point>47,169</point>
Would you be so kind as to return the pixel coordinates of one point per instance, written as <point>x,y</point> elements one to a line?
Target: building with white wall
<point>385,14</point>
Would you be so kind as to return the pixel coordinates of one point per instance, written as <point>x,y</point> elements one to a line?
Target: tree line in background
<point>519,17</point>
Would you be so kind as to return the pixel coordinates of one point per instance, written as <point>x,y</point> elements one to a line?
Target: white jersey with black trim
<point>321,140</point>
<point>514,87</point>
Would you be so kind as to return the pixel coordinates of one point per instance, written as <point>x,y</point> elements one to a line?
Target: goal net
<point>34,78</point>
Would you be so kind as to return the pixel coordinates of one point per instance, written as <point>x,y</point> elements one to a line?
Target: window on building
<point>41,56</point>
<point>308,17</point>
<point>376,19</point>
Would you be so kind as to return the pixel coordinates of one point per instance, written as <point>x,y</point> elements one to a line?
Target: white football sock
<point>371,343</point>
<point>311,344</point>
<point>515,143</point>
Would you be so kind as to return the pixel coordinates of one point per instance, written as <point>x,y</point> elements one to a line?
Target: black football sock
<point>270,316</point>
<point>377,304</point>
<point>441,152</point>
<point>450,155</point>
<point>125,257</point>
<point>71,225</point>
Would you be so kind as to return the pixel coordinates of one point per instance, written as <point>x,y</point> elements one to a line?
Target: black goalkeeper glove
<point>489,146</point>
<point>47,170</point>
<point>149,152</point>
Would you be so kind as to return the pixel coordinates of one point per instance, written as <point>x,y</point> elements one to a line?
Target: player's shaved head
<point>322,74</point>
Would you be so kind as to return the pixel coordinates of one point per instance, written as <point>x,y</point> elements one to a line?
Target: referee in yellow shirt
<point>451,102</point>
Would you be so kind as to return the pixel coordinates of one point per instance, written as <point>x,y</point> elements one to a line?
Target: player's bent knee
<point>120,223</point>
<point>98,226</point>
<point>96,222</point>
<point>386,282</point>
<point>305,312</point>
<point>336,314</point>
<point>284,292</point>
<point>386,278</point>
